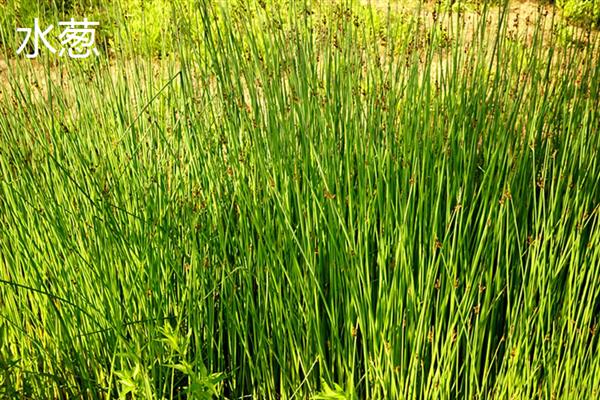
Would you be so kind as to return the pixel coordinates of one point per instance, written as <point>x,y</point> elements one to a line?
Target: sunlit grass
<point>313,200</point>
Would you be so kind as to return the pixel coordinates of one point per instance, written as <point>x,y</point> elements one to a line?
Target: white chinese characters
<point>77,39</point>
<point>38,35</point>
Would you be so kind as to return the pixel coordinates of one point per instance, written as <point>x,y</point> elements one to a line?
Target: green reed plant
<point>310,200</point>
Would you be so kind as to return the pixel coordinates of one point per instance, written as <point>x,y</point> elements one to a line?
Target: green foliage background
<point>150,25</point>
<point>586,12</point>
<point>154,25</point>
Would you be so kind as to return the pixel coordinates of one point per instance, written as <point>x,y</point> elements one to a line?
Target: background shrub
<point>586,12</point>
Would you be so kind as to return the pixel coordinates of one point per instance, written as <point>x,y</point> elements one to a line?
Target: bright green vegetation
<point>126,26</point>
<point>308,201</point>
<point>159,26</point>
<point>586,12</point>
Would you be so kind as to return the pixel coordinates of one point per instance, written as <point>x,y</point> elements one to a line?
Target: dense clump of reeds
<point>313,199</point>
